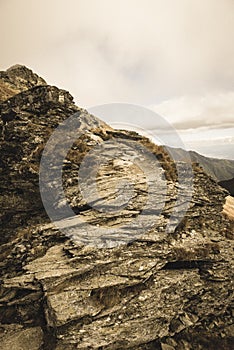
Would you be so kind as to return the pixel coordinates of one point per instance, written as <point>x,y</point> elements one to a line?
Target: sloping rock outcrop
<point>16,79</point>
<point>160,290</point>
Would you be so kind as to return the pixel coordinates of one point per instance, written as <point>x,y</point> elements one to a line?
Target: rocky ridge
<point>16,79</point>
<point>160,290</point>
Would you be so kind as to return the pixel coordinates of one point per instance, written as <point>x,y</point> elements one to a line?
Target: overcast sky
<point>173,56</point>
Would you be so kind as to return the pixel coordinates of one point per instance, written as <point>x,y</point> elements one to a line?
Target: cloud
<point>208,111</point>
<point>175,55</point>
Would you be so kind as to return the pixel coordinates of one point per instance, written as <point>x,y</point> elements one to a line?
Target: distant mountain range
<point>221,170</point>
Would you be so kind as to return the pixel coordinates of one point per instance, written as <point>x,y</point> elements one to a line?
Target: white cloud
<point>135,51</point>
<point>210,111</point>
<point>173,55</point>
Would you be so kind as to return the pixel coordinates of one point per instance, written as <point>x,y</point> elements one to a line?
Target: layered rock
<point>16,79</point>
<point>159,290</point>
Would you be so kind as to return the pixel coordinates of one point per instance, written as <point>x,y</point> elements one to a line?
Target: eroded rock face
<point>17,79</point>
<point>158,291</point>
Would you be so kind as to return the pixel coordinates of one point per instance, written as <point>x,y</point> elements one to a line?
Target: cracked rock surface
<point>159,290</point>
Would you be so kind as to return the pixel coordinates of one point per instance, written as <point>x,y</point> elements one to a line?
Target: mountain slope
<point>219,169</point>
<point>158,289</point>
<point>228,185</point>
